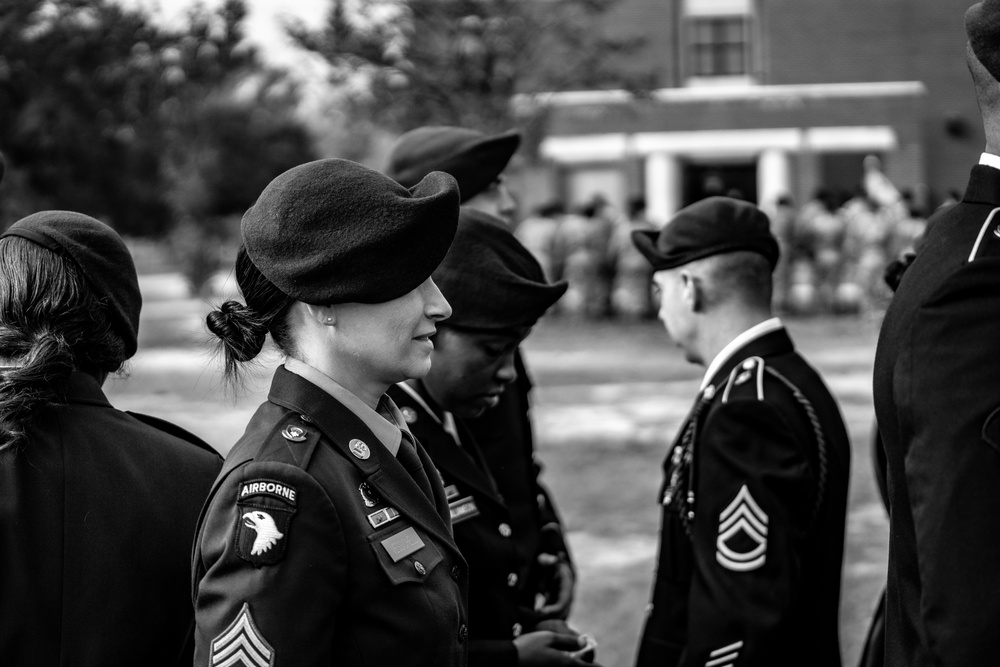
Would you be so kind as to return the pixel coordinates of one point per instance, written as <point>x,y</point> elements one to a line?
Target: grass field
<point>608,399</point>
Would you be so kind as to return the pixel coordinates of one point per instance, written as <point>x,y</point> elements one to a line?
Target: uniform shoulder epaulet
<point>986,234</point>
<point>749,373</point>
<point>292,440</point>
<point>174,430</point>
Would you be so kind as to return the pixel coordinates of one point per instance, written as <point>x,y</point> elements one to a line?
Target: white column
<point>663,187</point>
<point>774,177</point>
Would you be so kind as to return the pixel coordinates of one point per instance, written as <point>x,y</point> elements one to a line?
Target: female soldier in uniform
<point>98,506</point>
<point>326,539</point>
<point>498,291</point>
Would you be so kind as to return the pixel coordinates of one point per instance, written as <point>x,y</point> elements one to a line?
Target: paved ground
<point>608,400</point>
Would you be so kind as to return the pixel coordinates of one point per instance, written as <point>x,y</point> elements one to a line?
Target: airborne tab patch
<point>265,508</point>
<point>742,542</point>
<point>242,644</point>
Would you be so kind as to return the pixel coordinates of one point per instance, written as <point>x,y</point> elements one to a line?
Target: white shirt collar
<point>753,333</point>
<point>990,160</point>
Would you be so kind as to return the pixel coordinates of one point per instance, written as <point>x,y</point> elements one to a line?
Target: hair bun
<point>240,329</point>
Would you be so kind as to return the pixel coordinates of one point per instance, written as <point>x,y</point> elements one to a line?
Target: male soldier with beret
<point>755,490</point>
<point>937,402</point>
<point>546,578</point>
<point>497,291</point>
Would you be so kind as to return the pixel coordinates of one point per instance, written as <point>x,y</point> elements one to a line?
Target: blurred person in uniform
<point>538,232</point>
<point>937,401</point>
<point>755,490</point>
<point>583,241</point>
<point>547,580</point>
<point>822,231</point>
<point>99,506</point>
<point>497,291</point>
<point>326,539</point>
<point>631,292</point>
<point>783,228</point>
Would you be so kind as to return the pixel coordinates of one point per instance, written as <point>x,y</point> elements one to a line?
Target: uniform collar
<point>751,334</point>
<point>84,388</point>
<point>386,422</point>
<point>990,160</point>
<point>446,421</point>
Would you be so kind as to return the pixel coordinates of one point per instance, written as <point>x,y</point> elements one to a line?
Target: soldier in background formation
<point>754,498</point>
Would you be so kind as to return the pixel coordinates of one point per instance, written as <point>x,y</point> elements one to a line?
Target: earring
<point>329,320</point>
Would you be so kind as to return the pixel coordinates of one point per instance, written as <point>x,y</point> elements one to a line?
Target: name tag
<point>463,509</point>
<point>402,544</point>
<point>382,517</point>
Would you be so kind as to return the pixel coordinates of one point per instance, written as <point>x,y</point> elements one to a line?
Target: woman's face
<point>390,342</point>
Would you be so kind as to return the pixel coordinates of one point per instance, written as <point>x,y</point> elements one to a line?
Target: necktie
<point>408,458</point>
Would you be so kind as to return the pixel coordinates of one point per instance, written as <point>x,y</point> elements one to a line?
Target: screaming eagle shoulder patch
<point>241,644</point>
<point>742,542</point>
<point>265,508</point>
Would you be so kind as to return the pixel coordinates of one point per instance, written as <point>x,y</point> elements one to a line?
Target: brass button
<point>512,580</point>
<point>505,530</point>
<point>516,630</point>
<point>463,632</point>
<point>293,433</point>
<point>456,573</point>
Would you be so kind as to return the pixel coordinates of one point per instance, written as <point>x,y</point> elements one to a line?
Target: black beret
<point>473,158</point>
<point>490,279</point>
<point>709,227</point>
<point>334,231</point>
<point>100,255</point>
<point>982,25</point>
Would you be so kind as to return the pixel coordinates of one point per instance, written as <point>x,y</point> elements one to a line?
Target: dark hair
<point>743,274</point>
<point>242,329</point>
<point>51,323</point>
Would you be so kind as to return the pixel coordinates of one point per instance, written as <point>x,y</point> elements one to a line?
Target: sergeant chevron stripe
<point>725,656</point>
<point>242,644</point>
<point>743,515</point>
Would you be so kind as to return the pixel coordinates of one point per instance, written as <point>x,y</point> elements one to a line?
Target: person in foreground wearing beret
<point>327,537</point>
<point>755,491</point>
<point>937,403</point>
<point>98,506</point>
<point>497,291</point>
<point>546,578</point>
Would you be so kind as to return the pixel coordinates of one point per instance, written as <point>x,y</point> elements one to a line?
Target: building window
<point>718,46</point>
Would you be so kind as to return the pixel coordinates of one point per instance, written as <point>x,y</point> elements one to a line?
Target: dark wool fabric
<point>490,279</point>
<point>982,25</point>
<point>473,158</point>
<point>334,231</point>
<point>709,227</point>
<point>102,258</point>
<point>2,164</point>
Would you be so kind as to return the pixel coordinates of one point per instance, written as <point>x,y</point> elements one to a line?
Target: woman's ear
<point>325,315</point>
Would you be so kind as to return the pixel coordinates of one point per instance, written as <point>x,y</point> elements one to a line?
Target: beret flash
<point>490,279</point>
<point>712,226</point>
<point>334,231</point>
<point>982,25</point>
<point>473,158</point>
<point>100,255</point>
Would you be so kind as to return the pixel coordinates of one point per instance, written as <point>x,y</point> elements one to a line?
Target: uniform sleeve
<point>753,501</point>
<point>492,653</point>
<point>552,540</point>
<point>270,575</point>
<point>950,385</point>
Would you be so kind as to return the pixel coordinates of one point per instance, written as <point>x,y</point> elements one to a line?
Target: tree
<point>460,62</point>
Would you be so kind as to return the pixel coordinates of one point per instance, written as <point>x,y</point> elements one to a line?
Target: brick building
<point>768,97</point>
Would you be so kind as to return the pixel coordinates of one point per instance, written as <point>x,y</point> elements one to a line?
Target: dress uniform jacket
<point>97,513</point>
<point>317,547</point>
<point>482,526</point>
<point>749,568</point>
<point>505,439</point>
<point>937,401</point>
